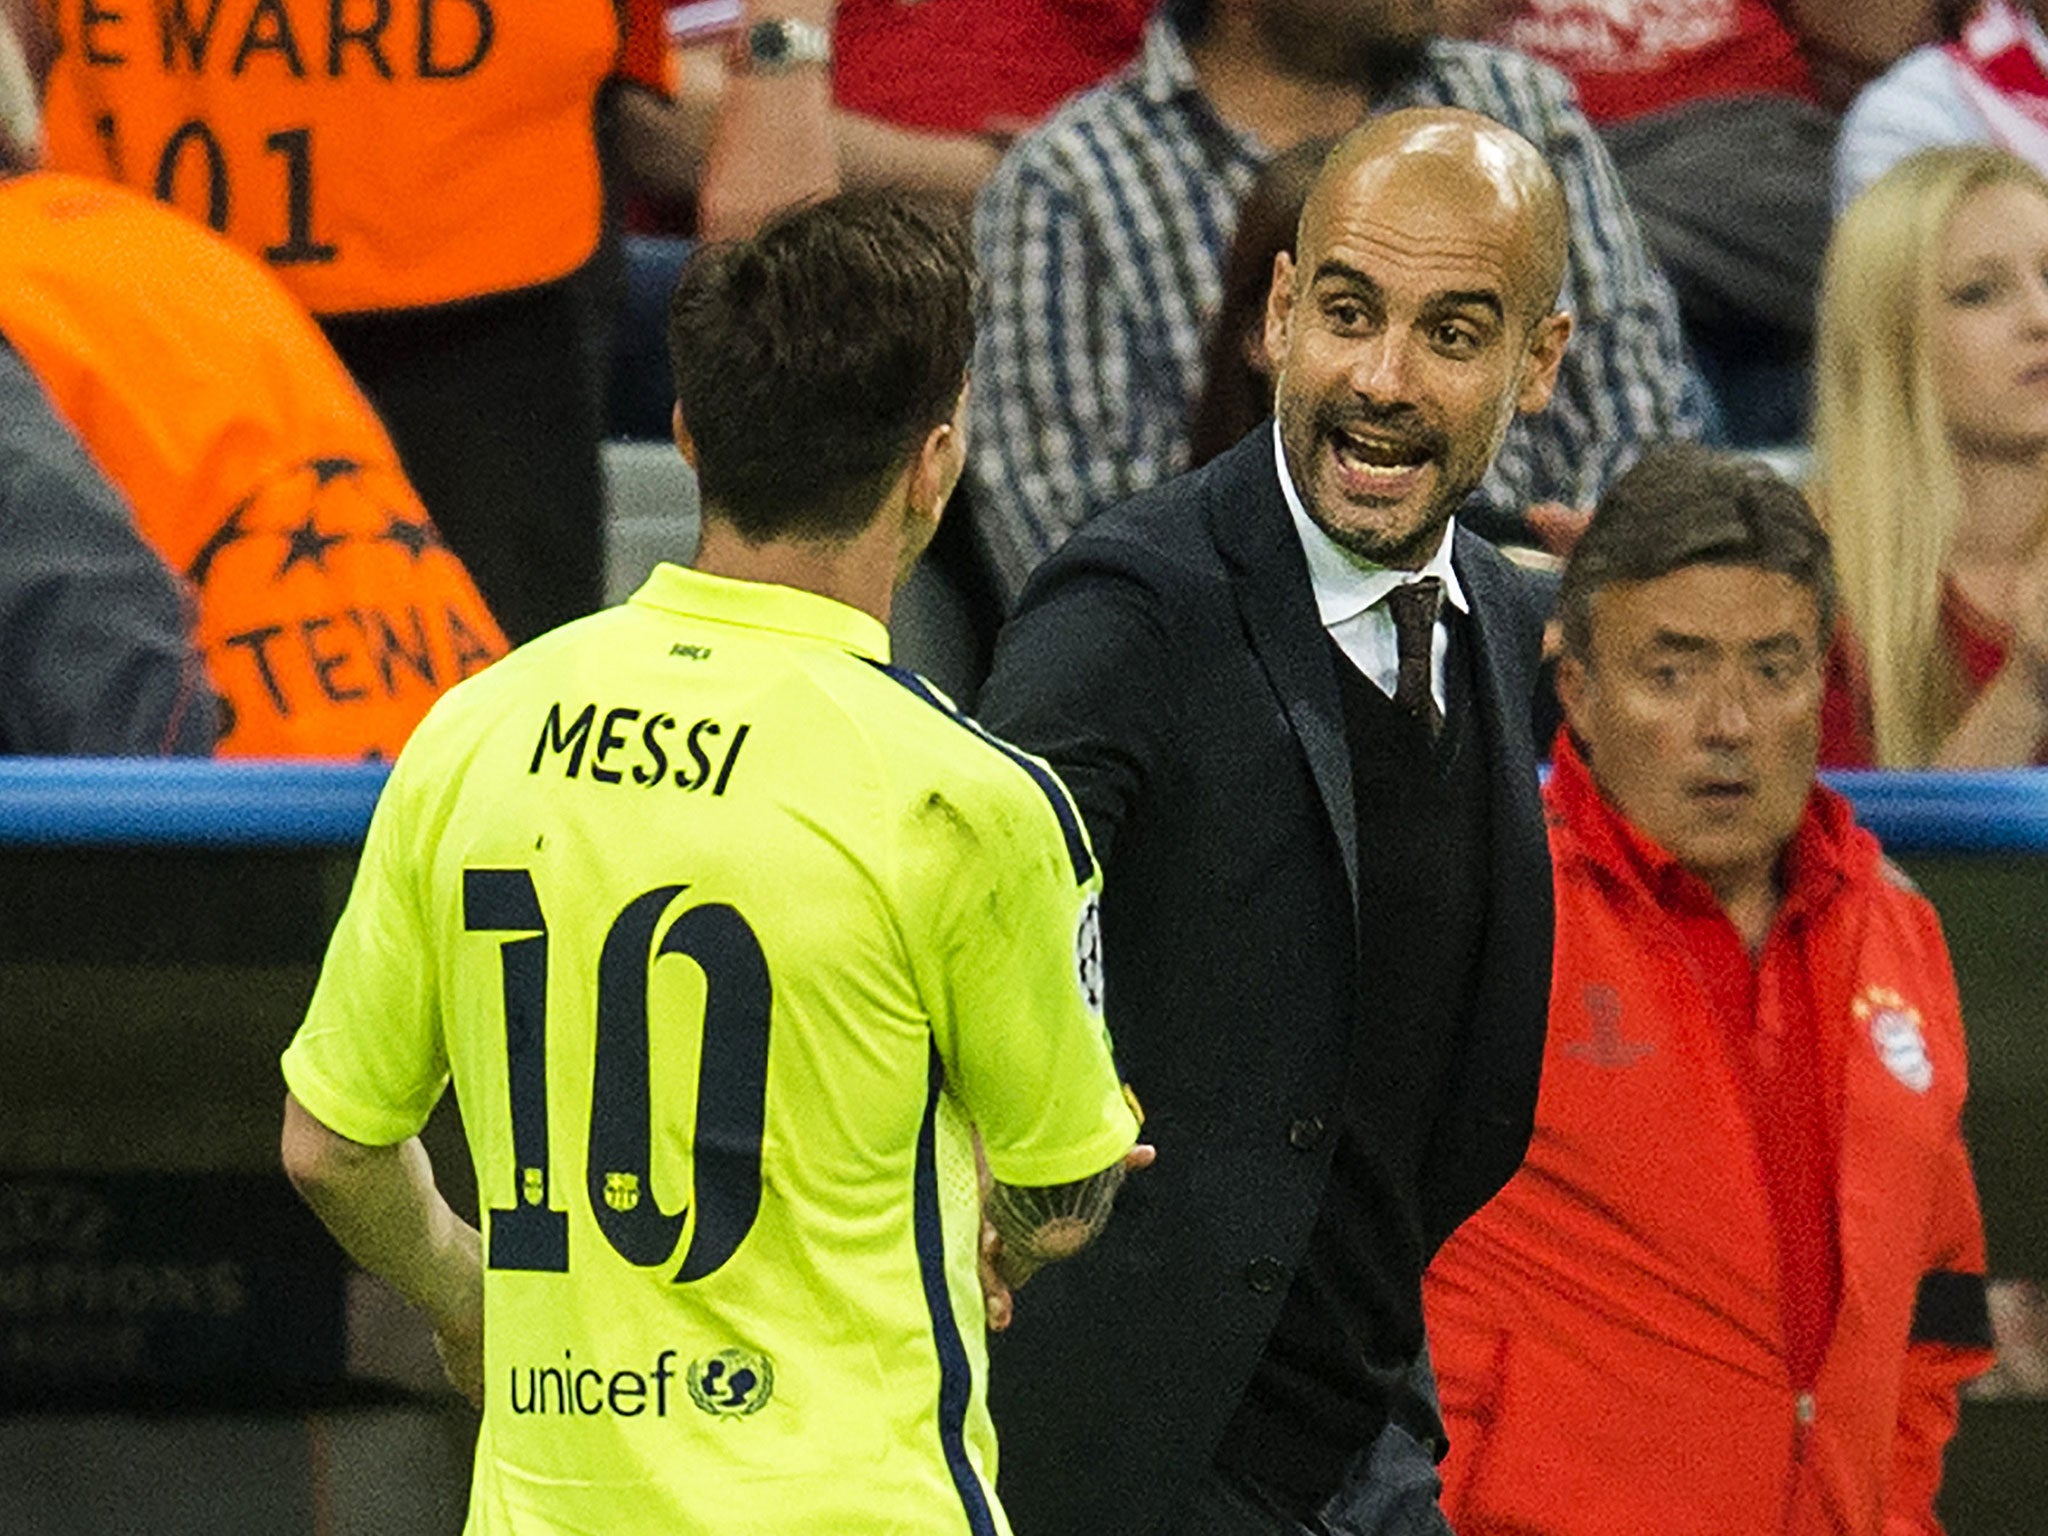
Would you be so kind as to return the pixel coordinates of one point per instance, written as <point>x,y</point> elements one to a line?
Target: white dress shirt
<point>1351,594</point>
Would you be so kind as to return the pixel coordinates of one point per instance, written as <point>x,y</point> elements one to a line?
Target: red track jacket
<point>1608,1332</point>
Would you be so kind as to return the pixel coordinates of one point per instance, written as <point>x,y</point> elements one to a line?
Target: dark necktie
<point>1414,607</point>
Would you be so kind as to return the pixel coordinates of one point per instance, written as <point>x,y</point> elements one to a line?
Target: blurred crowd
<point>314,319</point>
<point>483,216</point>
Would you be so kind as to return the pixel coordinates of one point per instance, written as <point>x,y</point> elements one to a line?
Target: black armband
<point>1951,1310</point>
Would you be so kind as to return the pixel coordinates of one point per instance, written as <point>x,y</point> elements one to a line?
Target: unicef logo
<point>1088,953</point>
<point>732,1383</point>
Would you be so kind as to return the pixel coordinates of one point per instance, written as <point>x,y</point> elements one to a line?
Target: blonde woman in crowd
<point>1931,463</point>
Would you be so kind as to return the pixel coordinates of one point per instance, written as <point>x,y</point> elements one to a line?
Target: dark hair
<point>811,360</point>
<point>1684,505</point>
<point>1236,396</point>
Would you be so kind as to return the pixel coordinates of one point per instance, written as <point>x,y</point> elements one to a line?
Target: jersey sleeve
<point>1011,970</point>
<point>369,1061</point>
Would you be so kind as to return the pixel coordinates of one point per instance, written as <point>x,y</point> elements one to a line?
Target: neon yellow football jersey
<point>727,933</point>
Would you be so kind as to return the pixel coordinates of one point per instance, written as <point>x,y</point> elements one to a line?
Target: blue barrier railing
<point>179,803</point>
<point>1924,812</point>
<point>116,802</point>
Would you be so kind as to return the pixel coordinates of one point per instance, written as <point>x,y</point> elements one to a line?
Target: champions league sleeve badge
<point>1895,1031</point>
<point>1088,954</point>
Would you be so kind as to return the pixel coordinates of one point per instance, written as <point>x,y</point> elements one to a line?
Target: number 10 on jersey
<point>732,1079</point>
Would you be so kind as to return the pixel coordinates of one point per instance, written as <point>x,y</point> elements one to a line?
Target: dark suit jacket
<point>1170,663</point>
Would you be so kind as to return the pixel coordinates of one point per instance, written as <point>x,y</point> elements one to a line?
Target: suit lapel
<point>1269,575</point>
<point>1519,921</point>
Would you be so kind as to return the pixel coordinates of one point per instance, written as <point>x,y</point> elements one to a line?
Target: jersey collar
<point>763,605</point>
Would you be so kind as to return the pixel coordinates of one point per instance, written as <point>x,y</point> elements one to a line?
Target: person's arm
<point>1062,422</point>
<point>772,140</point>
<point>1001,894</point>
<point>1081,679</point>
<point>1626,380</point>
<point>2006,724</point>
<point>661,104</point>
<point>1949,1344</point>
<point>1025,1227</point>
<point>383,1207</point>
<point>873,153</point>
<point>364,1072</point>
<point>1083,676</point>
<point>664,140</point>
<point>1949,1339</point>
<point>95,632</point>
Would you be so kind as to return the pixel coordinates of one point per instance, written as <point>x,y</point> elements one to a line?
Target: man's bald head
<point>1415,319</point>
<point>1449,157</point>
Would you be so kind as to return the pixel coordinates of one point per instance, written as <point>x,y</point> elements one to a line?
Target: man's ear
<point>934,472</point>
<point>941,460</point>
<point>686,445</point>
<point>1279,311</point>
<point>927,484</point>
<point>1539,367</point>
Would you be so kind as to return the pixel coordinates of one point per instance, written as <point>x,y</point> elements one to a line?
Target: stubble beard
<point>1306,459</point>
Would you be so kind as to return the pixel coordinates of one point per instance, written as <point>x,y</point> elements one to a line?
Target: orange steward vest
<point>330,614</point>
<point>376,154</point>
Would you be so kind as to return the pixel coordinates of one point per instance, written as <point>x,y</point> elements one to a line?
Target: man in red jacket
<point>1739,1278</point>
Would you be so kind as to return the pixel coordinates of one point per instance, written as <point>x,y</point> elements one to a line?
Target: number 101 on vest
<point>376,153</point>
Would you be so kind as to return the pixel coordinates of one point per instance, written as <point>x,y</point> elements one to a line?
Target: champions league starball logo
<point>1896,1033</point>
<point>1088,953</point>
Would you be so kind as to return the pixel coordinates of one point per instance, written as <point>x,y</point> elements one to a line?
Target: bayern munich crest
<point>1896,1033</point>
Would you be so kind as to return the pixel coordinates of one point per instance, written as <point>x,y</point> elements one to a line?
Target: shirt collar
<point>764,605</point>
<point>1346,585</point>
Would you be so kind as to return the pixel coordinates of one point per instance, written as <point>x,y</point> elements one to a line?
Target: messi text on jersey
<point>639,746</point>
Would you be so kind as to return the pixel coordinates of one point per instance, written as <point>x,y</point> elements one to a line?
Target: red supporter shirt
<point>973,66</point>
<point>643,50</point>
<point>1847,737</point>
<point>1764,1007</point>
<point>1642,56</point>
